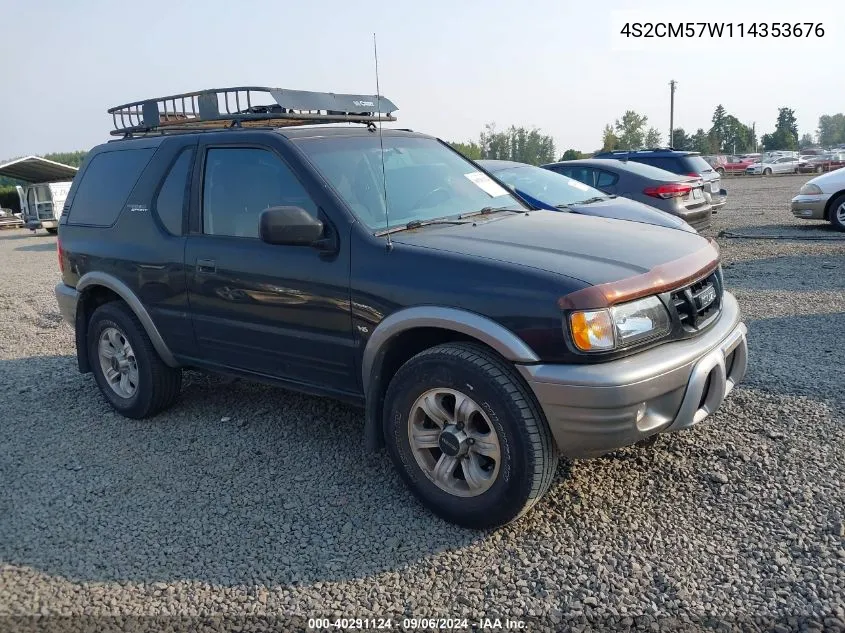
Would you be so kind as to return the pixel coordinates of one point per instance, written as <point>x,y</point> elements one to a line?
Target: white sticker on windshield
<point>487,184</point>
<point>578,185</point>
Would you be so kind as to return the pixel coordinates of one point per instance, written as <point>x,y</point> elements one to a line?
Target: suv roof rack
<point>239,107</point>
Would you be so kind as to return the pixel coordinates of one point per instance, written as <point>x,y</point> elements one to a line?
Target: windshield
<point>425,179</point>
<point>547,186</point>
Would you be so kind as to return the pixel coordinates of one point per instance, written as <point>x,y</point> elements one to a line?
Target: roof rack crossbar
<point>213,109</point>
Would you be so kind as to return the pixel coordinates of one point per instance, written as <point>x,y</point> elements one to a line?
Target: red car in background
<point>824,162</point>
<point>734,165</point>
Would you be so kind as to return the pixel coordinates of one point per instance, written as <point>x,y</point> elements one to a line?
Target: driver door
<point>274,310</point>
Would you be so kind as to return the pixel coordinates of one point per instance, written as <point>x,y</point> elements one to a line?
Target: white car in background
<point>822,198</point>
<point>777,165</point>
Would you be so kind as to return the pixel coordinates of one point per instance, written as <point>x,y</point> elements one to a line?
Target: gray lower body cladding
<point>594,409</point>
<point>67,299</point>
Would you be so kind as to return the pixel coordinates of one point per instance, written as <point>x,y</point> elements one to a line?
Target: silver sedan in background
<point>775,165</point>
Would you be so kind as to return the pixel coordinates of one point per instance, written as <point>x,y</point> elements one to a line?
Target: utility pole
<point>671,110</point>
<point>754,134</point>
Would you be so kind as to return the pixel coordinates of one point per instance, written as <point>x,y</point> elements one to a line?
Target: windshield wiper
<point>489,210</point>
<point>594,199</point>
<point>415,224</point>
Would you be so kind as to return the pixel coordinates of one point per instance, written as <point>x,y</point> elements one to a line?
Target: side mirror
<point>289,226</point>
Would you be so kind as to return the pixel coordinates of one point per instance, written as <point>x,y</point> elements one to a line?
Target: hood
<point>631,210</point>
<point>594,250</point>
<point>831,182</point>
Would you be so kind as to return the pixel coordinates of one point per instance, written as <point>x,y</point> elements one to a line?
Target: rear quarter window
<point>663,162</point>
<point>106,184</point>
<point>698,164</point>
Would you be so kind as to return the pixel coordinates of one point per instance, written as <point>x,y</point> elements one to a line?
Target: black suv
<point>678,162</point>
<point>482,338</point>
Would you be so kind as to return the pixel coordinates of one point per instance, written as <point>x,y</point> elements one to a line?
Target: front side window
<point>581,174</point>
<point>241,182</point>
<point>425,180</point>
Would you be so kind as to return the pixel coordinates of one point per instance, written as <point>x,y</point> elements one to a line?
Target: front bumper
<point>594,409</point>
<point>67,298</point>
<point>810,207</point>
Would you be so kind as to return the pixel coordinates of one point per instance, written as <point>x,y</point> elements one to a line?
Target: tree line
<point>727,134</point>
<point>520,144</point>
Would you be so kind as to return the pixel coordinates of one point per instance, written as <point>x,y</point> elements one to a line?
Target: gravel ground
<point>245,500</point>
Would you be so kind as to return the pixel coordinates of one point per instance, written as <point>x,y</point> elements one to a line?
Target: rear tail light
<point>61,255</point>
<point>672,190</point>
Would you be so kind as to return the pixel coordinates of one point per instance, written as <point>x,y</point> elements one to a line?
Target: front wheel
<point>837,213</point>
<point>467,436</point>
<point>767,172</point>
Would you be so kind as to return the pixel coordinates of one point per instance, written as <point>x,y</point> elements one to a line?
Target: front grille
<point>699,303</point>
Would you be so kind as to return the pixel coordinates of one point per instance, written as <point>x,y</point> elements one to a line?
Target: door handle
<point>206,266</point>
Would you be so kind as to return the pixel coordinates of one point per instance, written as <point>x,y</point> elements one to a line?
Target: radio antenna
<point>381,145</point>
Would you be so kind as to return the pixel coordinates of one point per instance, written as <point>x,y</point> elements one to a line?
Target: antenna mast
<point>381,145</point>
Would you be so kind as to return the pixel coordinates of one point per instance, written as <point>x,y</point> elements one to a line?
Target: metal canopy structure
<point>240,107</point>
<point>34,169</point>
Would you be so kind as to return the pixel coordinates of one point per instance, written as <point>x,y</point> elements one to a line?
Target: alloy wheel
<point>454,442</point>
<point>118,363</point>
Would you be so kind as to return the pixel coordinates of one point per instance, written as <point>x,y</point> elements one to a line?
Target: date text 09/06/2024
<point>412,624</point>
<point>723,29</point>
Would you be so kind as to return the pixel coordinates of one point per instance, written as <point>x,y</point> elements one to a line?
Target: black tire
<point>158,385</point>
<point>838,224</point>
<point>529,456</point>
<point>819,169</point>
<point>767,172</point>
<point>720,171</point>
<point>52,231</point>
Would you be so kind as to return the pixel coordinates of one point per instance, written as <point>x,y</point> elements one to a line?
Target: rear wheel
<point>128,370</point>
<point>52,231</point>
<point>836,215</point>
<point>467,436</point>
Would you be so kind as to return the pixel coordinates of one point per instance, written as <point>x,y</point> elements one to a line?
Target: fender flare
<point>96,278</point>
<point>479,327</point>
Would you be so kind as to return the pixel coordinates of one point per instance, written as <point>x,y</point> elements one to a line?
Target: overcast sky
<point>449,65</point>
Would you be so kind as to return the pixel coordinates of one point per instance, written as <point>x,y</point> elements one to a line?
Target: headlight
<point>620,326</point>
<point>810,190</point>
